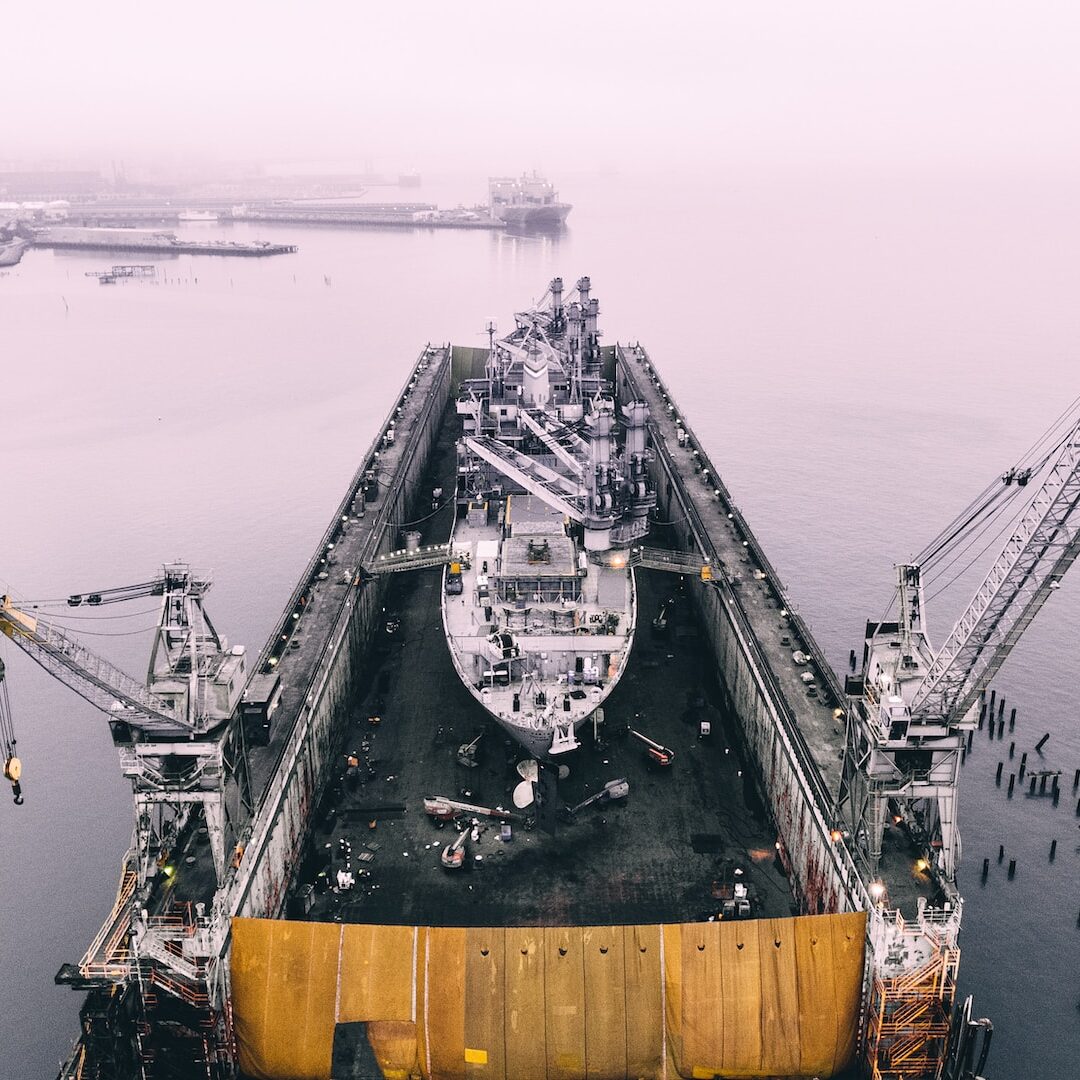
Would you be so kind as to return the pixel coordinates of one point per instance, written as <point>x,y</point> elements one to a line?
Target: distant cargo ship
<point>203,217</point>
<point>530,200</point>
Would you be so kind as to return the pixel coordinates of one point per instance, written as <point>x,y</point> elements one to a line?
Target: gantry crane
<point>911,706</point>
<point>176,744</point>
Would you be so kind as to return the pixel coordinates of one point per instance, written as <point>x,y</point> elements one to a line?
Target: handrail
<point>116,960</point>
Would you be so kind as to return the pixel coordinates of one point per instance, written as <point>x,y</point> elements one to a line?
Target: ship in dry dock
<point>746,869</point>
<point>552,490</point>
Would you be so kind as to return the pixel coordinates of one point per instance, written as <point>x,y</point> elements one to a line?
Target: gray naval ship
<point>539,603</point>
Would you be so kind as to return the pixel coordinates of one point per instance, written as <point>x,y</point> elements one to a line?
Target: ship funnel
<point>556,301</point>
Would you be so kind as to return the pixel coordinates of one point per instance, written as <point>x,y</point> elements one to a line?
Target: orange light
<point>837,836</point>
<point>922,865</point>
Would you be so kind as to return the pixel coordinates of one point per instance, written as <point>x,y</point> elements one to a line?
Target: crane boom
<point>1043,546</point>
<point>99,682</point>
<point>176,733</point>
<point>911,706</point>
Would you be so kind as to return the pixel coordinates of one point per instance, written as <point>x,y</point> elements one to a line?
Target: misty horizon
<point>492,89</point>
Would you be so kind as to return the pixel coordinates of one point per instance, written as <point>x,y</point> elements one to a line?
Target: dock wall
<point>286,811</point>
<point>801,805</point>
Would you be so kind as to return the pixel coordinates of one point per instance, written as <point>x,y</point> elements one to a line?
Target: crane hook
<point>12,772</point>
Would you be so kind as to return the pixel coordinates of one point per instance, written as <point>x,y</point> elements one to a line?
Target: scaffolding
<point>912,991</point>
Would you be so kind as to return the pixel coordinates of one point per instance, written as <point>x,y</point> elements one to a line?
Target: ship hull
<point>534,216</point>
<point>538,741</point>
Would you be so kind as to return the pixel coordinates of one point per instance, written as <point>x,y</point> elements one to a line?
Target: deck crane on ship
<point>911,706</point>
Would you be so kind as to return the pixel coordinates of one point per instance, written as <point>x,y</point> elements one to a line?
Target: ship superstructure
<point>538,604</point>
<point>526,201</point>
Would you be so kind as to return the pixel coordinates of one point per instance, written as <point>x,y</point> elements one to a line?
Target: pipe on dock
<point>997,777</point>
<point>1042,742</point>
<point>1012,782</point>
<point>1012,869</point>
<point>1012,719</point>
<point>1053,849</point>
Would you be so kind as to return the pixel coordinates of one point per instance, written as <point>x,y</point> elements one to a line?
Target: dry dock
<point>517,967</point>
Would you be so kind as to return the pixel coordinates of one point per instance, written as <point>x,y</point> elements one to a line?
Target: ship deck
<point>594,624</point>
<point>661,855</point>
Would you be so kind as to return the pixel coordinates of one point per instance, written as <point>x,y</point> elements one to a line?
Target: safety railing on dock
<point>805,766</point>
<point>239,883</point>
<point>109,954</point>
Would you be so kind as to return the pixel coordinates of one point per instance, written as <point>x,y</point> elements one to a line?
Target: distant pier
<point>150,243</point>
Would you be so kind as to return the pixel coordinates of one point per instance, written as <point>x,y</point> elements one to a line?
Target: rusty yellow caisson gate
<point>762,998</point>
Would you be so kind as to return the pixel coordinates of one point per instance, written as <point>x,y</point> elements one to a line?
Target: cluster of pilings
<point>1035,778</point>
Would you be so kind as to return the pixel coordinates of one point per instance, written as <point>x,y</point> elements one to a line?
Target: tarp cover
<point>760,998</point>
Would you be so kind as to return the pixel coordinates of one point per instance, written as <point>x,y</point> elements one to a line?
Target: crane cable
<point>12,764</point>
<point>991,494</point>
<point>981,512</point>
<point>977,534</point>
<point>95,598</point>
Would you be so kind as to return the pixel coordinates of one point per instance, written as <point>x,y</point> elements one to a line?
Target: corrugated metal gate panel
<point>769,997</point>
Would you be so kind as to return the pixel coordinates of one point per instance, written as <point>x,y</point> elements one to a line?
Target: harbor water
<point>860,355</point>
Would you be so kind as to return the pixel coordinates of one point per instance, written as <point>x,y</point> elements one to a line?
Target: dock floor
<point>651,858</point>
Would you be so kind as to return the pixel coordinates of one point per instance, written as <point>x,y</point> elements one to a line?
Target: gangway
<point>396,562</point>
<point>672,562</point>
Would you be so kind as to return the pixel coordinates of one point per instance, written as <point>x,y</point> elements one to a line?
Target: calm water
<point>860,357</point>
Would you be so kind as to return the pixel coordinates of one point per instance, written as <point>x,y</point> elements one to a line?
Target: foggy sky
<point>503,85</point>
